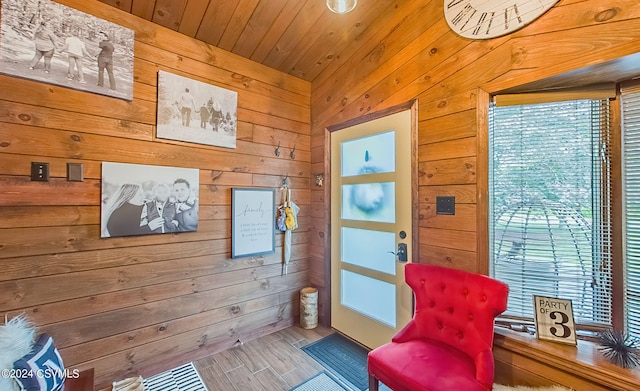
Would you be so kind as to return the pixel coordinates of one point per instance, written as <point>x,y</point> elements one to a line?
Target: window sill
<point>583,361</point>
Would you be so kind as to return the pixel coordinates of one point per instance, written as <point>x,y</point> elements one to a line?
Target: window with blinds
<point>631,177</point>
<point>550,212</point>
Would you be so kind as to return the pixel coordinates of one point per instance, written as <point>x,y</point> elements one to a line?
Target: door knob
<point>401,253</point>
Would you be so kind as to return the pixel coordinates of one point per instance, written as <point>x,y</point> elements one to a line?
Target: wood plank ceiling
<point>299,37</point>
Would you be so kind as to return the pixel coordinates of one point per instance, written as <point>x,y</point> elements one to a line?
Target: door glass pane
<point>369,155</point>
<point>369,202</point>
<point>369,249</point>
<point>373,298</point>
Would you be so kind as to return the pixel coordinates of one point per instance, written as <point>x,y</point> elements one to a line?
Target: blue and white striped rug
<point>182,378</point>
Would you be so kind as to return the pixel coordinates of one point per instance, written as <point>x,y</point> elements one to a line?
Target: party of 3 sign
<point>554,320</point>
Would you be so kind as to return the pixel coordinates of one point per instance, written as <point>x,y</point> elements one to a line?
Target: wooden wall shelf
<point>522,357</point>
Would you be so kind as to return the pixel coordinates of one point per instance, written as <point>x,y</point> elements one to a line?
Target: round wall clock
<point>483,19</point>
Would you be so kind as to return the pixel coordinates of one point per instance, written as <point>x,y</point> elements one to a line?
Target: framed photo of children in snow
<point>146,200</point>
<point>253,217</point>
<point>49,42</point>
<point>196,112</point>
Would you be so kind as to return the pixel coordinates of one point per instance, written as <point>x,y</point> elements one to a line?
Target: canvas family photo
<point>52,43</point>
<point>197,112</point>
<point>145,200</point>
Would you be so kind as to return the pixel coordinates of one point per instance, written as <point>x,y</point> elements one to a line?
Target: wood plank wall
<point>410,53</point>
<point>140,305</point>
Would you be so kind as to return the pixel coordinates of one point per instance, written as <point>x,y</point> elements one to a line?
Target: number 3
<point>565,319</point>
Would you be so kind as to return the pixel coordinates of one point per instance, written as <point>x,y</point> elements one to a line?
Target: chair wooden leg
<point>373,383</point>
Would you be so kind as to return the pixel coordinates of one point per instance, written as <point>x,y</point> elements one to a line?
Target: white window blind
<point>550,223</point>
<point>631,167</point>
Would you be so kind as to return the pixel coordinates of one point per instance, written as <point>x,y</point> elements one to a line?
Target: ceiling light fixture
<point>341,6</point>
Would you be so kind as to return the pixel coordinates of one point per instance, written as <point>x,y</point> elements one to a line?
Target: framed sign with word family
<point>554,320</point>
<point>252,222</point>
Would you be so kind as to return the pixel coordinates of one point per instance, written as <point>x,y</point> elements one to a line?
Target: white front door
<point>371,228</point>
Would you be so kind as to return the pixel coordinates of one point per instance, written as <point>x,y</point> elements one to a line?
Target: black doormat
<point>343,357</point>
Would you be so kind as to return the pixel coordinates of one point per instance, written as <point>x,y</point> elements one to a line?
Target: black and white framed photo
<point>554,320</point>
<point>196,112</point>
<point>49,42</point>
<point>253,216</point>
<point>138,199</point>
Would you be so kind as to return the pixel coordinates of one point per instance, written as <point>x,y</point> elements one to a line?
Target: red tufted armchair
<point>447,346</point>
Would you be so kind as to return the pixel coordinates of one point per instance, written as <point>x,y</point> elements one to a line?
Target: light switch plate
<point>40,171</point>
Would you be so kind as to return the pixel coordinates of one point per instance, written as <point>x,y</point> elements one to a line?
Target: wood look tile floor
<point>274,362</point>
